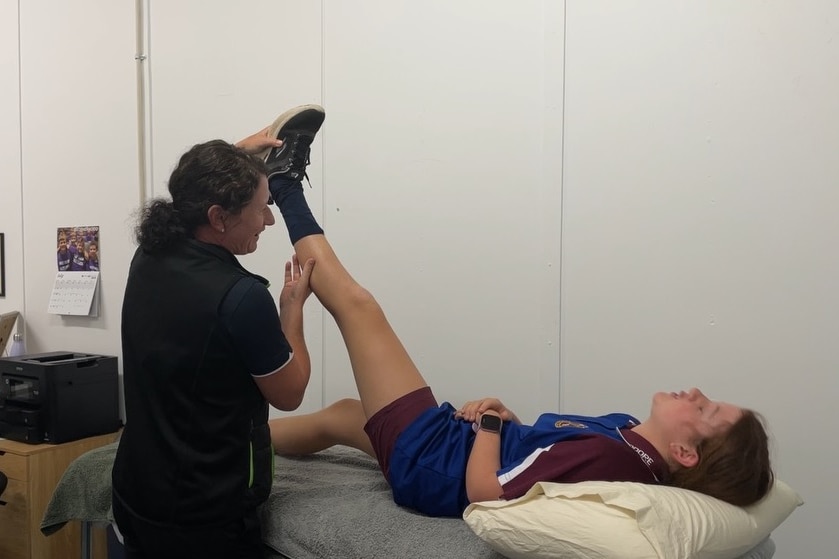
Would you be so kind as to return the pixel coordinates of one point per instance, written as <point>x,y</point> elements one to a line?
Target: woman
<point>204,352</point>
<point>438,459</point>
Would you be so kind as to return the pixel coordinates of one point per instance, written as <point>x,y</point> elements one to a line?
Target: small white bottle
<point>18,347</point>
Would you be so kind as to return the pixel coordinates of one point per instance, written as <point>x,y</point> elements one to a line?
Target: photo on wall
<point>78,249</point>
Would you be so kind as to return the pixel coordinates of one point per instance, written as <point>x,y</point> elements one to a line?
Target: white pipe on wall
<point>144,162</point>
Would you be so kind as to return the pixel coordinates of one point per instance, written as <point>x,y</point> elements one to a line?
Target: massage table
<point>334,504</point>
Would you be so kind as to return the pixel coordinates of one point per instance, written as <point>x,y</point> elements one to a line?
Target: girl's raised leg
<point>383,370</point>
<point>382,367</point>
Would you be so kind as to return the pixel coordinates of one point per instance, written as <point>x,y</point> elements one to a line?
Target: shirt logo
<point>645,458</point>
<point>565,423</point>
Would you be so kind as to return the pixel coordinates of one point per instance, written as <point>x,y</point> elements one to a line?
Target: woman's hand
<point>296,288</point>
<point>472,410</point>
<point>260,141</point>
<point>285,391</point>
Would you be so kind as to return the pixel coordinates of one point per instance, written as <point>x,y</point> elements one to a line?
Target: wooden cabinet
<point>33,472</point>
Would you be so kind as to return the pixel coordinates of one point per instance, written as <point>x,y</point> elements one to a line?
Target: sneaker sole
<point>280,122</point>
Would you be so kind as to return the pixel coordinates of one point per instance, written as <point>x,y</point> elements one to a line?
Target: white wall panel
<point>435,183</point>
<point>78,119</point>
<point>699,230</point>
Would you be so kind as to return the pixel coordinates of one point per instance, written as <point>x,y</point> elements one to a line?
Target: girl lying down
<point>438,459</point>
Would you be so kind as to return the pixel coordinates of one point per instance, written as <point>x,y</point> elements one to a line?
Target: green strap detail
<point>250,474</point>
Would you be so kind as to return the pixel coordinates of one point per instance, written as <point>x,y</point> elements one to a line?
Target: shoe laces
<point>305,174</point>
<point>299,153</point>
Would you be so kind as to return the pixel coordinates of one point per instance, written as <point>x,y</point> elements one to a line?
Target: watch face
<point>491,423</point>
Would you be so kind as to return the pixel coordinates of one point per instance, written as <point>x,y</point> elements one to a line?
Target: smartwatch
<point>491,423</point>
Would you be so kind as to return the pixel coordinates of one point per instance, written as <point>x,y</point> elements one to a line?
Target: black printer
<point>58,397</point>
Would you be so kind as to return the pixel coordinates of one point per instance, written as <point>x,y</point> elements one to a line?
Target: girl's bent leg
<point>341,423</point>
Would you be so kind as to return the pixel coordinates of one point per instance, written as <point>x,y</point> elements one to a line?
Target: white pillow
<point>617,520</point>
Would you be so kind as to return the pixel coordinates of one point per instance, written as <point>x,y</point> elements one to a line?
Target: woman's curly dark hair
<point>734,466</point>
<point>211,173</point>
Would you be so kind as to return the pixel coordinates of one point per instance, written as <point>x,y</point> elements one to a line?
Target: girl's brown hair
<point>734,466</point>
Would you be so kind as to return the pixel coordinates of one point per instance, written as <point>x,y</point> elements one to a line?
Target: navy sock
<point>289,197</point>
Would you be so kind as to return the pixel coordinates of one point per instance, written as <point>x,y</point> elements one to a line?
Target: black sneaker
<point>297,129</point>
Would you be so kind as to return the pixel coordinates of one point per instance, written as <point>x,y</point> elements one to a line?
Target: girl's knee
<point>347,407</point>
<point>358,296</point>
<point>356,301</point>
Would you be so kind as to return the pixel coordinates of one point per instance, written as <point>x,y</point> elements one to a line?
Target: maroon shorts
<point>388,423</point>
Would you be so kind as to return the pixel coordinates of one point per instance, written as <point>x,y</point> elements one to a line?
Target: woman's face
<point>241,231</point>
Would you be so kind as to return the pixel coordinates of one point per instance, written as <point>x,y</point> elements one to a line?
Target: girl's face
<point>692,417</point>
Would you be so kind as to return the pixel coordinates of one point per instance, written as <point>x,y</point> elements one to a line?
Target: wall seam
<point>22,318</point>
<point>562,200</point>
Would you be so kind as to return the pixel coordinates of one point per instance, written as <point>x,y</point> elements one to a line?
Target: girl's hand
<point>472,410</point>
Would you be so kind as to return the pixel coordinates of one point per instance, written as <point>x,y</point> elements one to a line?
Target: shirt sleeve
<point>252,319</point>
<point>588,458</point>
